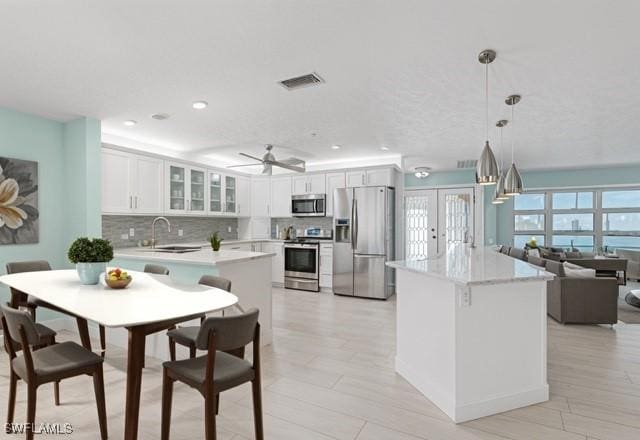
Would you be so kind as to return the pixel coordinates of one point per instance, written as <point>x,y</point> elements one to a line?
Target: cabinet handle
<point>130,202</point>
<point>363,179</point>
<point>188,205</point>
<point>136,198</point>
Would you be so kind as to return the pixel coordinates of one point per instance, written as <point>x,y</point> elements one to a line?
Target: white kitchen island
<point>249,272</point>
<point>472,331</point>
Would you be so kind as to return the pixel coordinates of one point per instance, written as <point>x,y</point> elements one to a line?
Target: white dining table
<point>150,304</point>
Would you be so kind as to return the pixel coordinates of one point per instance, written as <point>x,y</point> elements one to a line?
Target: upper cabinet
<point>281,196</point>
<point>243,195</point>
<point>309,184</point>
<point>186,189</point>
<point>223,194</point>
<point>131,183</point>
<point>261,197</point>
<point>372,177</point>
<point>334,181</point>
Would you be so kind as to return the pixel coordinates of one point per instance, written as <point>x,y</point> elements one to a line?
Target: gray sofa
<point>579,299</point>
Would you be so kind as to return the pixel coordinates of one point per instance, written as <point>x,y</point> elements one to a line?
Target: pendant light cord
<point>486,90</point>
<point>501,148</point>
<point>513,134</point>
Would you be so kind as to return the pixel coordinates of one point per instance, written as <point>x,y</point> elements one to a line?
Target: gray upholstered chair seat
<point>56,359</point>
<point>184,335</point>
<point>229,371</point>
<point>44,332</point>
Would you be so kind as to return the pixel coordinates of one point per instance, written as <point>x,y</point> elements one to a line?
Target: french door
<point>436,218</point>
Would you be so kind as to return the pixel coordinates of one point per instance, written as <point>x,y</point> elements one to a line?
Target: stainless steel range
<point>301,259</point>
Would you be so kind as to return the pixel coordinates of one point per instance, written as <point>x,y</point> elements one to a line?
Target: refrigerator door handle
<point>354,234</point>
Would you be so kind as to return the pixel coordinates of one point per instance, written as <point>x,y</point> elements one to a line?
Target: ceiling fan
<point>269,160</point>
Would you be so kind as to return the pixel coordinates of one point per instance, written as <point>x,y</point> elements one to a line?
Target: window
<point>520,240</point>
<point>572,200</point>
<point>529,222</point>
<point>529,202</point>
<point>572,222</point>
<point>587,220</point>
<point>580,242</point>
<point>621,199</point>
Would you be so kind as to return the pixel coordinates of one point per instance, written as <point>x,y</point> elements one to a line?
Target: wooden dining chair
<point>218,371</point>
<point>187,336</point>
<point>48,364</point>
<point>20,299</point>
<point>46,337</point>
<point>148,268</point>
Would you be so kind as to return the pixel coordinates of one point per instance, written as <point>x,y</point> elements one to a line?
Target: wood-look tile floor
<point>329,375</point>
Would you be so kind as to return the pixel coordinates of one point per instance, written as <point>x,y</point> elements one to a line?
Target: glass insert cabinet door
<point>177,193</point>
<point>215,192</point>
<point>230,199</point>
<point>197,191</point>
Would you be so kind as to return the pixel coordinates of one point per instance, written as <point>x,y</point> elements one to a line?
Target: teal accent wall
<point>621,175</point>
<point>54,145</point>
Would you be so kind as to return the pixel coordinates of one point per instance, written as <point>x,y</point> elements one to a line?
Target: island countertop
<point>466,266</point>
<point>204,256</point>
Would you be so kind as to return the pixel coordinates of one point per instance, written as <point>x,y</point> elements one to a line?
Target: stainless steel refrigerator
<point>363,222</point>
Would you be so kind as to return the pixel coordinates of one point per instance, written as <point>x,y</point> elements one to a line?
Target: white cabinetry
<point>260,197</point>
<point>223,194</point>
<point>309,184</point>
<point>334,181</point>
<point>244,196</point>
<point>186,189</point>
<point>373,177</point>
<point>281,197</point>
<point>131,183</point>
<point>326,265</point>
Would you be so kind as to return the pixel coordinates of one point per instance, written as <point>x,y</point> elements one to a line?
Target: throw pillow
<point>579,273</point>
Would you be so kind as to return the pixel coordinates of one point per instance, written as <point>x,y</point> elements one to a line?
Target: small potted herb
<point>90,257</point>
<point>215,241</point>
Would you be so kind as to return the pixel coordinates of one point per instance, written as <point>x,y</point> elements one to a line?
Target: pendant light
<point>512,181</point>
<point>499,196</point>
<point>487,171</point>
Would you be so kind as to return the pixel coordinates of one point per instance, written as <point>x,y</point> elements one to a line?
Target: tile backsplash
<point>300,223</point>
<point>194,229</point>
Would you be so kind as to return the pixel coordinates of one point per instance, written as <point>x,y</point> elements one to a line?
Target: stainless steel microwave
<point>308,205</point>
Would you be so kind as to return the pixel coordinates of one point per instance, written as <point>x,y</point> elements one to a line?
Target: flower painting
<point>18,201</point>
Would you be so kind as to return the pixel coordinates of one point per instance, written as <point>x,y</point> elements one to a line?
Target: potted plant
<point>90,257</point>
<point>215,241</point>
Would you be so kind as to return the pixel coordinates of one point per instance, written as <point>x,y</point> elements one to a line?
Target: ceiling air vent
<point>299,82</point>
<point>467,163</point>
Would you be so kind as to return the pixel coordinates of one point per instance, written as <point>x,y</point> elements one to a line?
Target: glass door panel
<point>177,188</point>
<point>215,193</point>
<point>455,211</point>
<point>230,194</point>
<point>421,223</point>
<point>197,191</point>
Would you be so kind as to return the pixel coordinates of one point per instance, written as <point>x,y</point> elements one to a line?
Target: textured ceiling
<point>400,74</point>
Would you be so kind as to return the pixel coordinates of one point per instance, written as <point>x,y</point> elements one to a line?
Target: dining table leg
<point>83,330</point>
<point>135,362</point>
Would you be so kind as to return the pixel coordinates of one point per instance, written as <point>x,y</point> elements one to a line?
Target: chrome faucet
<point>153,230</point>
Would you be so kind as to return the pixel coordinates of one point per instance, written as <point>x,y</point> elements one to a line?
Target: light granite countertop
<point>204,256</point>
<point>463,265</point>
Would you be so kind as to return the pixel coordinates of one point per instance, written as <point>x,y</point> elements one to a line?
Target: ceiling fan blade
<point>292,161</point>
<point>244,165</point>
<point>288,167</point>
<point>251,157</point>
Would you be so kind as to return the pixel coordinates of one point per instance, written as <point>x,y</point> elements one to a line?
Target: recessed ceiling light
<point>130,123</point>
<point>335,147</point>
<point>199,105</point>
<point>384,148</point>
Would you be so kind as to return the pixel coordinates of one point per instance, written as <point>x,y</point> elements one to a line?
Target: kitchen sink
<point>175,249</point>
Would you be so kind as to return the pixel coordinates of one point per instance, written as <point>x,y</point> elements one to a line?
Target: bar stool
<point>48,364</point>
<point>218,371</point>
